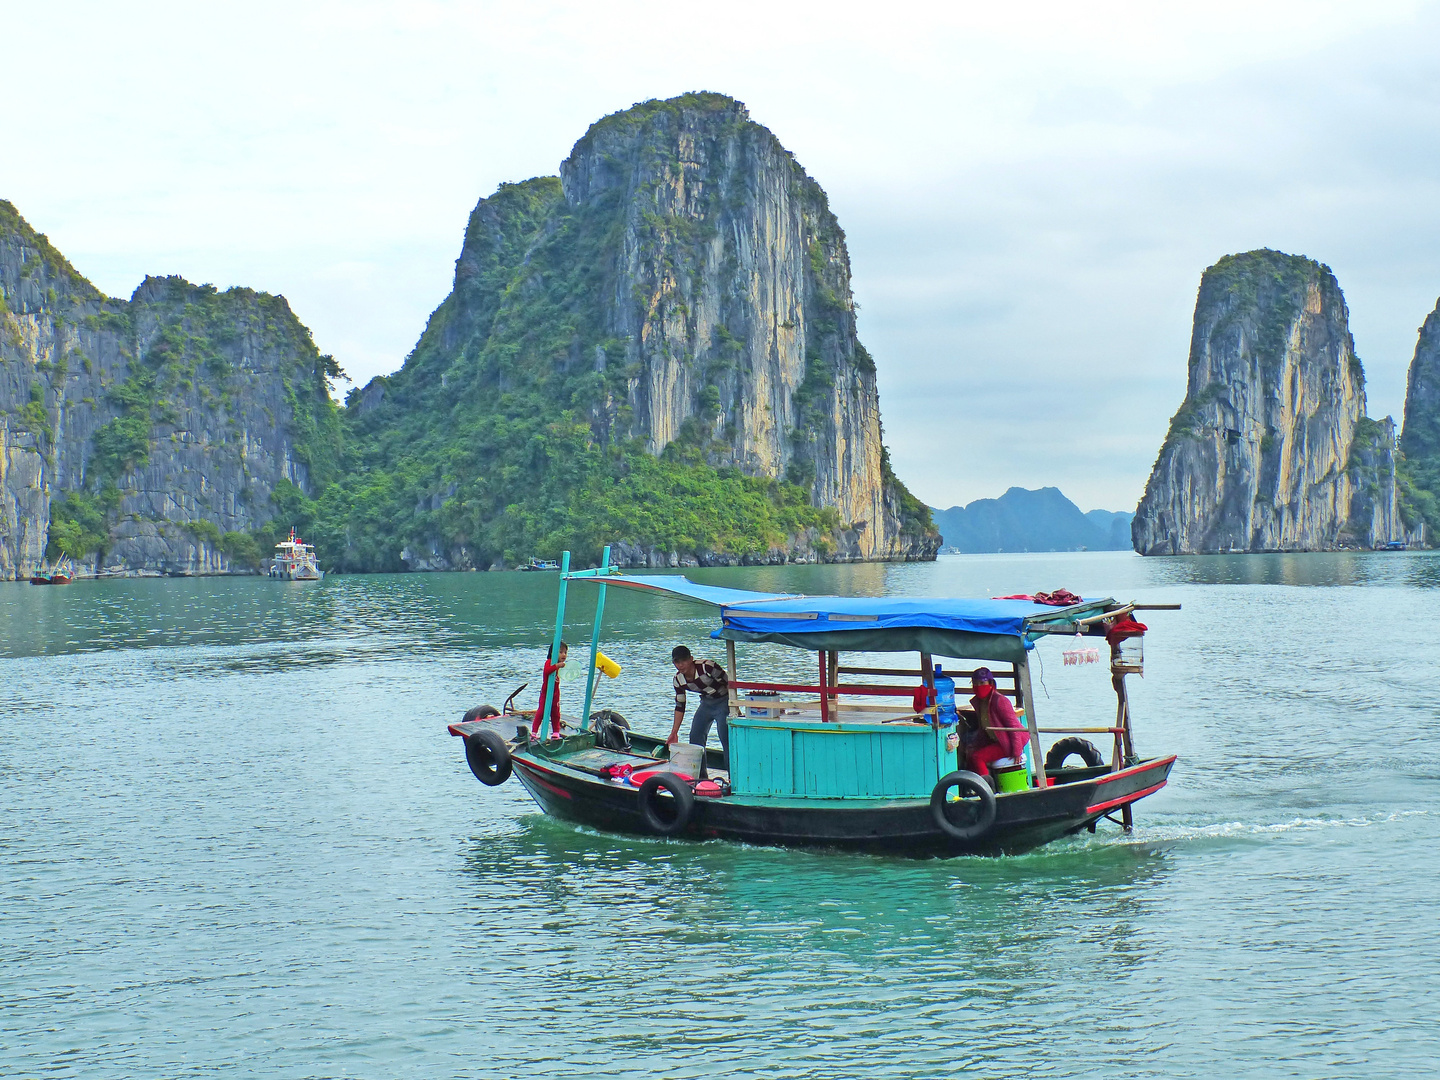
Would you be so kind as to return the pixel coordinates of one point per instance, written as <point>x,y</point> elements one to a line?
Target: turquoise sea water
<point>236,840</point>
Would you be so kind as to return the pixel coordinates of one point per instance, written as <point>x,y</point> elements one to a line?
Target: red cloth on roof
<point>1058,598</point>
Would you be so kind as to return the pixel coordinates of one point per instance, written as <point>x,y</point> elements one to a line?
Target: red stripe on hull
<point>1135,770</point>
<point>535,771</point>
<point>1100,808</point>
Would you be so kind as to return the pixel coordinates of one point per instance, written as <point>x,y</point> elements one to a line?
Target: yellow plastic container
<point>604,664</point>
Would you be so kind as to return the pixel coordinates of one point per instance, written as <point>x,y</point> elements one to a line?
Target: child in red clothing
<point>550,670</point>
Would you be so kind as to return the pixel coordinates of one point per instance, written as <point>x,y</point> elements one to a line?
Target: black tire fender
<point>966,783</point>
<point>488,756</point>
<point>480,712</point>
<point>1073,744</point>
<point>681,798</point>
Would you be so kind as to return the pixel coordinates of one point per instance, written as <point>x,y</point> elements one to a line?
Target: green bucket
<point>1012,778</point>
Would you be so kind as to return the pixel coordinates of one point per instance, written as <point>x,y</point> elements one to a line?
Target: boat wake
<point>1153,834</point>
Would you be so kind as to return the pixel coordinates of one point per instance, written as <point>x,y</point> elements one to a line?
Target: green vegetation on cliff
<point>486,442</point>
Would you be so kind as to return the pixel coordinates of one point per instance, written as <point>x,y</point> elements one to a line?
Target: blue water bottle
<point>944,698</point>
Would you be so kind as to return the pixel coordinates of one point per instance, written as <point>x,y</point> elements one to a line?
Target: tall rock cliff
<point>139,434</point>
<point>1271,449</point>
<point>1420,439</point>
<point>682,288</point>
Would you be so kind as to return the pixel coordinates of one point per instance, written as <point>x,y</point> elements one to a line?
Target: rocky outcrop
<point>152,428</point>
<point>683,285</point>
<point>733,303</point>
<point>1420,438</point>
<point>1272,449</point>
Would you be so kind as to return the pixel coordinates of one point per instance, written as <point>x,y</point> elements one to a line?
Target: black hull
<point>1023,820</point>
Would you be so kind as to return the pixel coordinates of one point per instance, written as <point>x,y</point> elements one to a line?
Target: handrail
<point>914,674</point>
<point>802,688</point>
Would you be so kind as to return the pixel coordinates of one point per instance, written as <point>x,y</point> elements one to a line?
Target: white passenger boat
<point>295,561</point>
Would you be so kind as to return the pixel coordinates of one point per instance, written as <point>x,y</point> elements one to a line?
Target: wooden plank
<point>758,758</point>
<point>867,764</point>
<point>859,764</point>
<point>749,762</point>
<point>835,752</point>
<point>782,761</point>
<point>797,762</point>
<point>939,757</point>
<point>743,778</point>
<point>892,763</point>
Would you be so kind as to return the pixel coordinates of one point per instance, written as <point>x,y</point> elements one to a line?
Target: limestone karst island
<point>1272,449</point>
<point>656,348</point>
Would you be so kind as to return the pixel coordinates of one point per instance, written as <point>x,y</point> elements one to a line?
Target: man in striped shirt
<point>706,678</point>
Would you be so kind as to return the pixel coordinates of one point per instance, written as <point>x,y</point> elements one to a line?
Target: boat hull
<point>1023,820</point>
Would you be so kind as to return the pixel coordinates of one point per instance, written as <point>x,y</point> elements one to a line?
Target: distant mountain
<point>1115,524</point>
<point>1021,520</point>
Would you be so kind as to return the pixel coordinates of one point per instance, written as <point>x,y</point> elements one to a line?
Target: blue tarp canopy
<point>946,626</point>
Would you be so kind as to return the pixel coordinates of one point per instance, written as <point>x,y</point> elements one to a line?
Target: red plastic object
<point>640,777</point>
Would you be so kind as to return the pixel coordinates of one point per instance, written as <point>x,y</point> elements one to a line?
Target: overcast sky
<point>1030,192</point>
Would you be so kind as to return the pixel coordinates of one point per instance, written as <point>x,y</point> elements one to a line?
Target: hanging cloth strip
<point>1125,628</point>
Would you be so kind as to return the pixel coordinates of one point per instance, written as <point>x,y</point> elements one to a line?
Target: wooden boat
<point>62,574</point>
<point>817,766</point>
<point>535,565</point>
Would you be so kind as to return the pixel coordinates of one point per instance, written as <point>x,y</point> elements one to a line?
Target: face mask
<point>983,691</point>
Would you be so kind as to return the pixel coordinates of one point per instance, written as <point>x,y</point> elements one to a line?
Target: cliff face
<point>682,287</point>
<point>147,429</point>
<point>1271,449</point>
<point>1420,439</point>
<point>732,299</point>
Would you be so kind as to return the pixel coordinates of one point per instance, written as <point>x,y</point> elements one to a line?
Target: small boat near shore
<point>295,561</point>
<point>62,573</point>
<point>818,765</point>
<point>535,565</point>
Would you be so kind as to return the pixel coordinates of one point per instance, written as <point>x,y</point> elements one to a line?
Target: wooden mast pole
<point>1124,746</point>
<point>733,694</point>
<point>835,680</point>
<point>546,729</point>
<point>1027,697</point>
<point>595,641</point>
<point>824,690</point>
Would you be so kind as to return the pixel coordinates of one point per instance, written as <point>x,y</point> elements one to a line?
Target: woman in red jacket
<point>1000,730</point>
